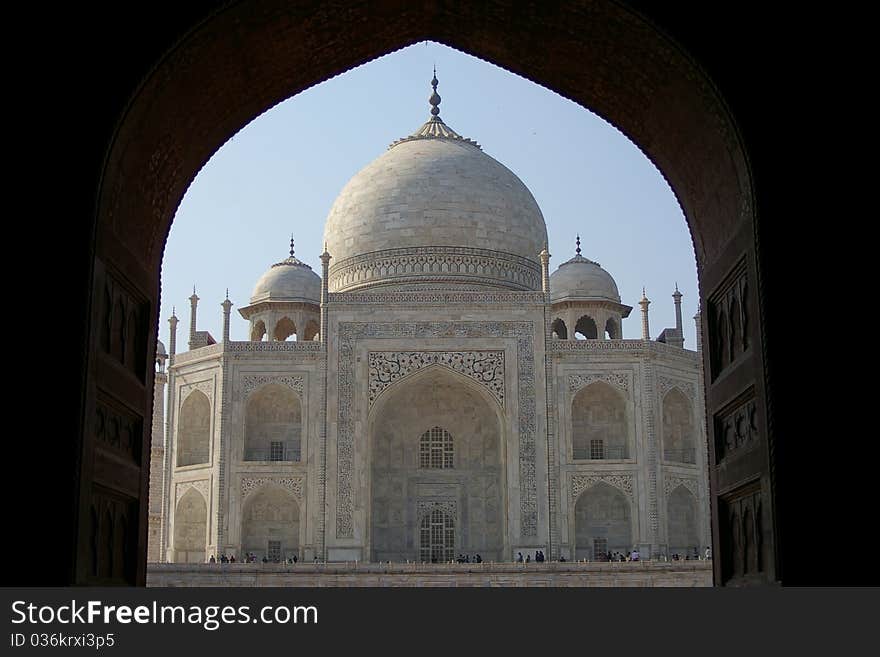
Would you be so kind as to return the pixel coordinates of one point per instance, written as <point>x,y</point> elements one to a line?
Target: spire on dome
<point>291,260</point>
<point>578,242</point>
<point>434,128</point>
<point>291,245</point>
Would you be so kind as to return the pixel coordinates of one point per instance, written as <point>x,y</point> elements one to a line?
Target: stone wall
<point>639,574</point>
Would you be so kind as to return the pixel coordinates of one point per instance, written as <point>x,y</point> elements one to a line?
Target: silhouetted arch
<point>612,329</point>
<point>258,331</point>
<point>586,328</point>
<point>560,329</point>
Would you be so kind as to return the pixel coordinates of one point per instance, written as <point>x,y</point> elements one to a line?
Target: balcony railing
<point>687,455</point>
<point>604,454</point>
<point>272,454</point>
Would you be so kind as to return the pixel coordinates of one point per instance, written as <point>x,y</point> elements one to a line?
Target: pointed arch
<point>682,521</point>
<point>559,328</point>
<point>612,329</point>
<point>273,424</point>
<point>599,425</point>
<point>679,428</point>
<point>285,328</point>
<point>258,331</point>
<point>602,522</point>
<point>270,523</point>
<point>190,527</point>
<point>194,431</point>
<point>586,328</point>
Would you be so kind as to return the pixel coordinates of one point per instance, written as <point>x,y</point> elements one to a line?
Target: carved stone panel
<point>293,485</point>
<point>123,330</point>
<point>729,320</point>
<point>671,482</point>
<point>736,426</point>
<point>448,506</point>
<point>617,379</point>
<point>251,383</point>
<point>201,485</point>
<point>118,431</point>
<point>623,481</point>
<point>484,367</point>
<point>665,384</point>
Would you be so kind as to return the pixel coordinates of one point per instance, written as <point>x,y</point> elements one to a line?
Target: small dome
<point>160,349</point>
<point>582,279</point>
<point>288,280</point>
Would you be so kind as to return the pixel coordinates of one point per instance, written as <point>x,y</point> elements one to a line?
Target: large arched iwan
<point>600,54</point>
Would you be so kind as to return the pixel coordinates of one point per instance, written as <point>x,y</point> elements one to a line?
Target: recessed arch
<point>599,423</point>
<point>399,487</point>
<point>270,524</point>
<point>679,439</point>
<point>258,331</point>
<point>602,522</point>
<point>194,432</point>
<point>682,522</point>
<point>273,424</point>
<point>190,527</point>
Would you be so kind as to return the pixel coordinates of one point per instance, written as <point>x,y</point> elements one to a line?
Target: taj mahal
<point>433,391</point>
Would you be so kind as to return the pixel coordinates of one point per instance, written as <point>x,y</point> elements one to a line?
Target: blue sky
<point>281,173</point>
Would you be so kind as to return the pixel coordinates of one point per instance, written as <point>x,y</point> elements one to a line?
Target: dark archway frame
<point>247,57</point>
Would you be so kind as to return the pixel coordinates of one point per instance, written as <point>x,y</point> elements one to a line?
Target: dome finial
<point>578,242</point>
<point>291,245</point>
<point>434,100</point>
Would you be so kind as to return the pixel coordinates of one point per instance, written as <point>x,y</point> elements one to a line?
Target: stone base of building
<point>638,574</point>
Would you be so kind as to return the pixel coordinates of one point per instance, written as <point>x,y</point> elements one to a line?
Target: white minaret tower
<point>646,334</point>
<point>227,306</point>
<point>194,303</point>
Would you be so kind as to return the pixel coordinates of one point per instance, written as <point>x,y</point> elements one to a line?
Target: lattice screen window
<point>273,553</point>
<point>437,537</point>
<point>597,449</point>
<point>600,548</point>
<point>436,449</point>
<point>276,451</point>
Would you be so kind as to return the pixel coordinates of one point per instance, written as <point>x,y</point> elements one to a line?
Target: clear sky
<point>281,173</point>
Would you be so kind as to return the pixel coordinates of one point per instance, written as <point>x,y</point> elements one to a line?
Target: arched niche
<point>270,524</point>
<point>586,329</point>
<point>284,329</point>
<point>190,528</point>
<point>273,424</point>
<point>258,331</point>
<point>194,430</point>
<point>682,522</point>
<point>559,328</point>
<point>679,440</point>
<point>400,488</point>
<point>599,423</point>
<point>612,329</point>
<point>602,522</point>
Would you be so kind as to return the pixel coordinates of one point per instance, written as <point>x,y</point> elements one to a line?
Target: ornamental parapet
<point>621,346</point>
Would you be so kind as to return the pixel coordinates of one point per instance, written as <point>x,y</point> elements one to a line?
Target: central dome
<point>435,211</point>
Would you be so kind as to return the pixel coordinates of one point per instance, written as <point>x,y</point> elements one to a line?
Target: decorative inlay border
<point>293,485</point>
<point>484,367</point>
<point>671,482</point>
<point>428,263</point>
<point>308,346</point>
<point>623,481</point>
<point>665,384</point>
<point>437,297</point>
<point>350,332</point>
<point>251,383</point>
<point>448,506</point>
<point>180,490</point>
<point>617,379</point>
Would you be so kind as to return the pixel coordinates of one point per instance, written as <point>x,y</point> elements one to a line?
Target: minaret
<point>325,294</point>
<point>698,321</point>
<point>545,270</point>
<point>678,325</point>
<point>172,342</point>
<point>227,306</point>
<point>646,334</point>
<point>194,302</point>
